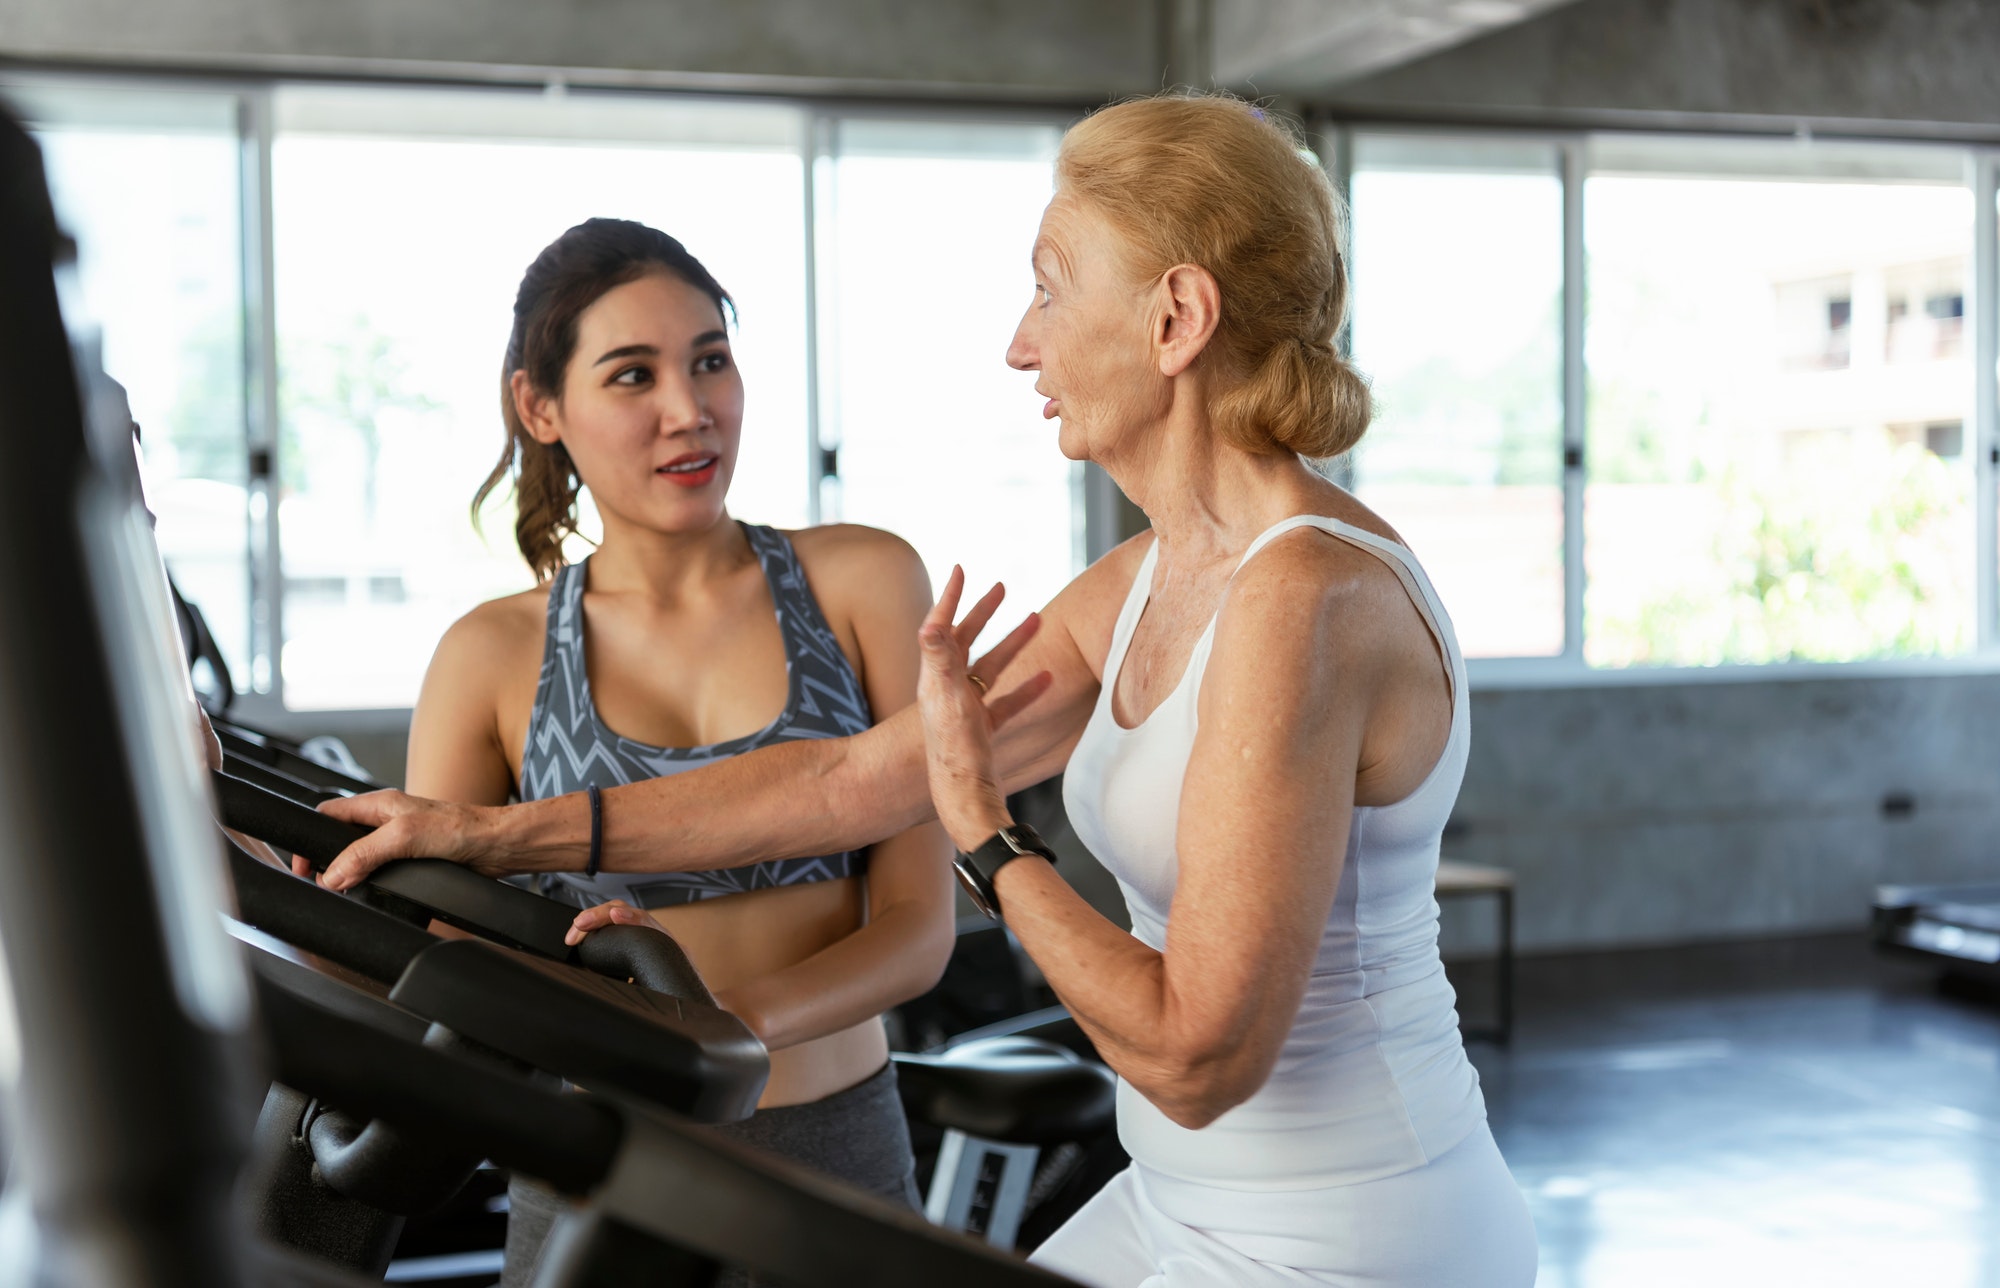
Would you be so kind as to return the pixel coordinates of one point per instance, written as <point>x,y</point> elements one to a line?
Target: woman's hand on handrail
<point>409,827</point>
<point>616,912</point>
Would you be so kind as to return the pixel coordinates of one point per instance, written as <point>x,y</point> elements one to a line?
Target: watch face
<point>973,892</point>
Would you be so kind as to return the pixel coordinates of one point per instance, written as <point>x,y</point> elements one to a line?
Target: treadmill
<point>1955,926</point>
<point>131,1034</point>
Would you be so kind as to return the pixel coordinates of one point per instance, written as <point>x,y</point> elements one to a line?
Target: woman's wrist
<point>550,835</point>
<point>972,823</point>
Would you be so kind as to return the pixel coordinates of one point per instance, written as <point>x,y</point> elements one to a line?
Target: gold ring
<point>977,683</point>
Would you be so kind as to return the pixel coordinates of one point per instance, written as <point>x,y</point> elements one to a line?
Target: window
<point>313,475</point>
<point>1643,401</point>
<point>147,182</point>
<point>1458,274</point>
<point>404,220</point>
<point>1777,389</point>
<point>931,228</point>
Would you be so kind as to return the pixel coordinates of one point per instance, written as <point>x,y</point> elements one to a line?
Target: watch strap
<point>1006,845</point>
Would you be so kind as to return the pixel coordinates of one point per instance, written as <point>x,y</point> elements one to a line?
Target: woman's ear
<point>1191,308</point>
<point>534,408</point>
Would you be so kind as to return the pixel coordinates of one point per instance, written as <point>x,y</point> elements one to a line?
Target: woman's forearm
<point>890,960</point>
<point>1142,1017</point>
<point>1117,989</point>
<point>1110,981</point>
<point>811,796</point>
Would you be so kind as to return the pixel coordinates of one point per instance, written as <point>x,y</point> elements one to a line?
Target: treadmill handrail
<point>568,1141</point>
<point>649,958</point>
<point>275,752</point>
<point>461,897</point>
<point>599,1032</point>
<point>455,895</point>
<point>602,1034</point>
<point>707,1193</point>
<point>273,779</point>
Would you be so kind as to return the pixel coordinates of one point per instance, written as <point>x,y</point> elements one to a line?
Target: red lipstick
<point>691,469</point>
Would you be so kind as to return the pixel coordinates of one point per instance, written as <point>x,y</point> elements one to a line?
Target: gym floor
<point>1799,1111</point>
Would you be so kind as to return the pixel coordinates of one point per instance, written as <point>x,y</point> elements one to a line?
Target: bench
<point>1466,880</point>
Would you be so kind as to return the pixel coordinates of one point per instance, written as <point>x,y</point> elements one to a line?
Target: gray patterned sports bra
<point>570,748</point>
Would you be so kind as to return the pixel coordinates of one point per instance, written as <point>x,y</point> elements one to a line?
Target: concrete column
<point>1187,35</point>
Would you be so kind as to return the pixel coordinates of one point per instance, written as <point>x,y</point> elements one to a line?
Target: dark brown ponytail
<point>565,279</point>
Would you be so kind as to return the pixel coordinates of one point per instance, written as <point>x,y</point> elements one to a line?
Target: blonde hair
<point>1210,180</point>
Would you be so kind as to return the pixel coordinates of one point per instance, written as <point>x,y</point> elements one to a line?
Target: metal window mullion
<point>1576,462</point>
<point>822,348</point>
<point>1334,145</point>
<point>1985,436</point>
<point>260,362</point>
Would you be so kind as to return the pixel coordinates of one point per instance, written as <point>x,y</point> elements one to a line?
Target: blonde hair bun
<point>1209,179</point>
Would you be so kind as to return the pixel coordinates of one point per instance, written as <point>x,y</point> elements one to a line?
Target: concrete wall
<point>1655,815</point>
<point>1080,49</point>
<point>1909,61</point>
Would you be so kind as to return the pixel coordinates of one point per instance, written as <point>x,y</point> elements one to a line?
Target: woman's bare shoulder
<point>852,547</point>
<point>1311,606</point>
<point>859,574</point>
<point>498,631</point>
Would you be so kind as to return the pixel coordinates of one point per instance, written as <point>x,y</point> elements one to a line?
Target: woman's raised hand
<point>960,715</point>
<point>408,827</point>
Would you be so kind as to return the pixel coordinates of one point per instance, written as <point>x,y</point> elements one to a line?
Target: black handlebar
<point>648,957</point>
<point>453,894</point>
<point>256,811</point>
<point>462,898</point>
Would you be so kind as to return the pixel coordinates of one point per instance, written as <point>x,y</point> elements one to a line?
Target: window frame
<point>1334,140</point>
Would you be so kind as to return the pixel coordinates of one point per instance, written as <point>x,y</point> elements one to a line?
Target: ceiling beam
<point>1304,47</point>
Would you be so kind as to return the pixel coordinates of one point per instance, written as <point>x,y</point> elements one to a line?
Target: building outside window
<point>1778,383</point>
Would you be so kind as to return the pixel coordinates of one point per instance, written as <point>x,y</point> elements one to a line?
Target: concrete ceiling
<point>1074,50</point>
<point>1303,48</point>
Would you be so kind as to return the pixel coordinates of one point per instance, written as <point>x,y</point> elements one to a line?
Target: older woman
<point>1262,711</point>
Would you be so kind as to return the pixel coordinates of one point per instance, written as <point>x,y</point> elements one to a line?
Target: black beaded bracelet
<point>596,830</point>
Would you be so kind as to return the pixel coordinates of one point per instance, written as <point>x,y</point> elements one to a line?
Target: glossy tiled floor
<point>1798,1112</point>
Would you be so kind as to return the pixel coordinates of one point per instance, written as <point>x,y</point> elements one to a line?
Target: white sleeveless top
<point>1372,1079</point>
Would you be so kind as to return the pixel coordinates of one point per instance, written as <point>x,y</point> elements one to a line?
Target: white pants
<point>1458,1222</point>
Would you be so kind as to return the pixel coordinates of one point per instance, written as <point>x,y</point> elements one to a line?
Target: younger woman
<point>686,638</point>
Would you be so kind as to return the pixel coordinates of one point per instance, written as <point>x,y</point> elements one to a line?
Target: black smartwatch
<point>976,870</point>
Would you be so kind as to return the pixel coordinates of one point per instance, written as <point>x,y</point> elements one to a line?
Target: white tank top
<point>1372,1079</point>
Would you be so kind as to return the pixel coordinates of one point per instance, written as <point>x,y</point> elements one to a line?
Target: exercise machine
<point>1954,926</point>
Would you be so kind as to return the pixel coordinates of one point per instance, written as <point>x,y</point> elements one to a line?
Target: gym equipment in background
<point>1011,1112</point>
<point>1955,926</point>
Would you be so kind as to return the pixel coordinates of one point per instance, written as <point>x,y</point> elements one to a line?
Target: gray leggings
<point>858,1135</point>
